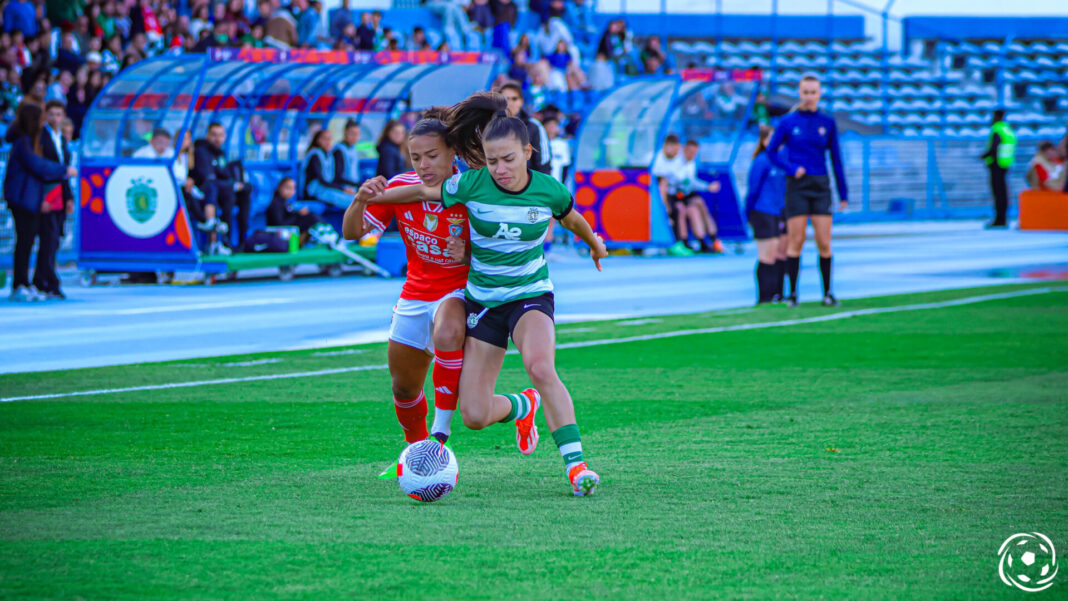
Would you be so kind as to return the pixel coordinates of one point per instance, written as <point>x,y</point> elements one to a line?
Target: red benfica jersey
<point>425,226</point>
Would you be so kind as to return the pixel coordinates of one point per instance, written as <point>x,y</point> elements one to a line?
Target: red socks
<point>446,377</point>
<point>411,414</point>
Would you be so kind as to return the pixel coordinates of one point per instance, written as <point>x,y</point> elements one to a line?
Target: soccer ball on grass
<point>427,470</point>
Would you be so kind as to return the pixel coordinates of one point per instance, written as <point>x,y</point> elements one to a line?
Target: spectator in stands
<point>602,75</point>
<point>25,180</point>
<point>1046,170</point>
<point>347,157</point>
<point>21,15</point>
<point>309,24</point>
<point>579,19</point>
<point>59,199</point>
<point>455,25</point>
<point>616,44</point>
<point>652,49</point>
<point>10,94</point>
<point>365,33</point>
<point>60,87</point>
<point>215,175</point>
<point>319,183</point>
<point>390,155</point>
<point>481,15</point>
<point>999,156</point>
<point>340,18</point>
<point>521,59</point>
<point>541,157</point>
<point>79,97</point>
<point>280,29</point>
<point>506,15</point>
<point>68,130</point>
<point>560,149</point>
<point>566,69</point>
<point>666,167</point>
<point>282,213</point>
<point>537,93</point>
<point>551,32</point>
<point>201,208</point>
<point>417,41</point>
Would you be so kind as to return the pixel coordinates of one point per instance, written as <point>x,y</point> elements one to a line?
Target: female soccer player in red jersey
<point>428,320</point>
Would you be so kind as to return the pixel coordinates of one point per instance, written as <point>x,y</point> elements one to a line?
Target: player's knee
<point>475,418</point>
<point>404,390</point>
<point>542,372</point>
<point>449,336</point>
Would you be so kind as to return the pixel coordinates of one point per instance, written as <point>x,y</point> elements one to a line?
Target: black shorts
<point>810,195</point>
<point>766,225</point>
<point>496,325</point>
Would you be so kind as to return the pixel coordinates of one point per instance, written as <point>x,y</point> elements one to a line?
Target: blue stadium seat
<point>703,47</point>
<point>790,47</point>
<point>1041,47</point>
<point>868,91</point>
<point>681,46</point>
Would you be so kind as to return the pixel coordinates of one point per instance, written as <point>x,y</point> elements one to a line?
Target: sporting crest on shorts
<point>430,221</point>
<point>532,215</point>
<point>472,320</point>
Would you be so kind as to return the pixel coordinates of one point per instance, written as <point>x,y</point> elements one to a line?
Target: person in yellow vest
<point>1046,170</point>
<point>999,157</point>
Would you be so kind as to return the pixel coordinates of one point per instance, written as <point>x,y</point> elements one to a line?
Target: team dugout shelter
<point>270,102</point>
<point>625,130</point>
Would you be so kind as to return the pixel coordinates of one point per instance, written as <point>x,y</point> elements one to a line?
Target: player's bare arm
<point>578,225</point>
<point>407,194</point>
<point>354,226</point>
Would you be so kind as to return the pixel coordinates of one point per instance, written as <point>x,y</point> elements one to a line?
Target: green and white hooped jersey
<point>507,233</point>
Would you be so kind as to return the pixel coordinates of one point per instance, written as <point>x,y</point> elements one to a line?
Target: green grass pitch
<point>883,456</point>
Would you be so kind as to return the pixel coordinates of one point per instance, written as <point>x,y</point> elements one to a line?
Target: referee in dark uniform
<point>808,135</point>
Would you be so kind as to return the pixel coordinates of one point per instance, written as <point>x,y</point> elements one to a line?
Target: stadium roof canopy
<point>271,101</point>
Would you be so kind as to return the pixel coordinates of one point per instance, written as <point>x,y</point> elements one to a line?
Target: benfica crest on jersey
<point>456,226</point>
<point>430,221</point>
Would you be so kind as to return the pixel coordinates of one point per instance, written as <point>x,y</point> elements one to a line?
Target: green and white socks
<point>520,407</point>
<point>570,444</point>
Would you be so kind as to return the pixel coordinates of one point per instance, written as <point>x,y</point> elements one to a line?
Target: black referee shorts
<point>766,225</point>
<point>809,195</point>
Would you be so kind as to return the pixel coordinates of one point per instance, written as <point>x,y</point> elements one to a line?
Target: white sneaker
<point>22,294</point>
<point>222,249</point>
<point>208,225</point>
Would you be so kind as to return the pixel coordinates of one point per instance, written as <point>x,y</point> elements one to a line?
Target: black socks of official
<point>793,266</point>
<point>766,274</point>
<point>825,271</point>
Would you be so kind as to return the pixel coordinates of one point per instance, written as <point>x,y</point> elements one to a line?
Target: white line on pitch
<point>569,345</point>
<point>251,363</point>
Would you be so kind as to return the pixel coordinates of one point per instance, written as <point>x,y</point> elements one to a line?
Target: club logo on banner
<point>141,201</point>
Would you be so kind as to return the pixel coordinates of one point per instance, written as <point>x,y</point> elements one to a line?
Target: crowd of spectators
<point>68,50</point>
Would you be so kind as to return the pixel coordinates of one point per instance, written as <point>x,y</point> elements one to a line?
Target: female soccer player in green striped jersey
<point>510,209</point>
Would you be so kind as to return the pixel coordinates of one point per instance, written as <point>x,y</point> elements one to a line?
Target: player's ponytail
<point>466,121</point>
